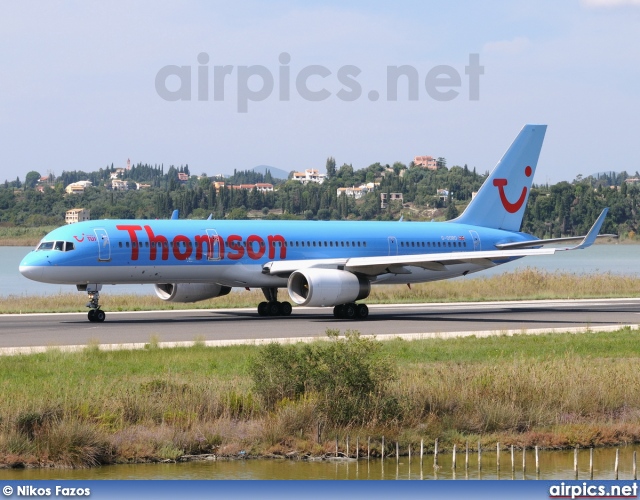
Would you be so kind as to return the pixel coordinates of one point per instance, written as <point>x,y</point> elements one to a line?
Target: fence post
<point>617,461</point>
<point>498,457</point>
<point>453,461</point>
<point>575,462</point>
<point>479,456</point>
<point>513,461</point>
<point>591,463</point>
<point>537,462</point>
<point>421,450</point>
<point>435,453</point>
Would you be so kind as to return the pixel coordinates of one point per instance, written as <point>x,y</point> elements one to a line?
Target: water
<point>616,259</point>
<point>553,465</point>
<point>13,283</point>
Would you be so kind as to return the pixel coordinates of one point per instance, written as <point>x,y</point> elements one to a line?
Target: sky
<point>232,85</point>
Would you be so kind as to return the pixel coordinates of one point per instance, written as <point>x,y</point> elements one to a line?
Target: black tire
<point>100,316</point>
<point>362,311</point>
<point>338,311</point>
<point>262,308</point>
<point>91,315</point>
<point>285,309</point>
<point>273,308</point>
<point>349,311</point>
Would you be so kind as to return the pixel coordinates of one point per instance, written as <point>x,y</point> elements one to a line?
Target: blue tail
<point>502,199</point>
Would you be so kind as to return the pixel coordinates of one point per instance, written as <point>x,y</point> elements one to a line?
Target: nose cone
<point>31,268</point>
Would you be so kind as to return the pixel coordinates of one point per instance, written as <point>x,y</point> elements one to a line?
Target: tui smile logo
<point>512,208</point>
<point>78,239</point>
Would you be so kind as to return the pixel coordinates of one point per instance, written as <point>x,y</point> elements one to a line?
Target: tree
<point>331,167</point>
<point>31,179</point>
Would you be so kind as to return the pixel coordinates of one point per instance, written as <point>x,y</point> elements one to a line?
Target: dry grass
<point>517,285</point>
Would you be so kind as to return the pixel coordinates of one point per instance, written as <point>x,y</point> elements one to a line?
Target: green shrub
<point>348,375</point>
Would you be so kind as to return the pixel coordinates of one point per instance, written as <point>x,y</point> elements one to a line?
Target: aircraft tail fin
<point>502,199</point>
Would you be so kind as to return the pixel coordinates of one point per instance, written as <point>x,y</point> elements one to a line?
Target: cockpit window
<point>61,246</point>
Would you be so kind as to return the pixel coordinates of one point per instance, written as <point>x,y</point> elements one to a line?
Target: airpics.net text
<point>257,83</point>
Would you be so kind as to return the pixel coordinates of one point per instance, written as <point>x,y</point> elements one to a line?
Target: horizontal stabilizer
<point>585,241</point>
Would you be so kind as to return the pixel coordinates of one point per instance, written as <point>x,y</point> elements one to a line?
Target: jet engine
<point>326,287</point>
<point>190,292</point>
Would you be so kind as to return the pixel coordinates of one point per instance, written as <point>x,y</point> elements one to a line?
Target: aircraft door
<point>214,252</point>
<point>393,245</point>
<point>104,247</point>
<point>476,240</point>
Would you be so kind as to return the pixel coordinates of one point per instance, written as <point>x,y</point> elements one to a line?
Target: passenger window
<point>120,244</point>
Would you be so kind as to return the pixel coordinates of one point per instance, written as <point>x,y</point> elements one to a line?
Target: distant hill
<point>276,173</point>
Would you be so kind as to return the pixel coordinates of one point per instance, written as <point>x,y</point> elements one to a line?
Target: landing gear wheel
<point>96,315</point>
<point>338,311</point>
<point>349,311</point>
<point>273,308</point>
<point>262,308</point>
<point>285,309</point>
<point>362,311</point>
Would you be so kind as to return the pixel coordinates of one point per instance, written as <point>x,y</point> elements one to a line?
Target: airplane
<point>320,263</point>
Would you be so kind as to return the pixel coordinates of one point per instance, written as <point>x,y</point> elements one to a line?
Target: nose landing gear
<point>95,315</point>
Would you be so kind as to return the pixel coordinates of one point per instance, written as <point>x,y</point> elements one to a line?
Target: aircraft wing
<point>397,264</point>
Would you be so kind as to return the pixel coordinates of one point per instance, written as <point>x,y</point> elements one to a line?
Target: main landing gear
<point>351,311</point>
<point>95,315</point>
<point>273,307</point>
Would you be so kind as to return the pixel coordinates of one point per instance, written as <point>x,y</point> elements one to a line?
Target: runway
<point>35,332</point>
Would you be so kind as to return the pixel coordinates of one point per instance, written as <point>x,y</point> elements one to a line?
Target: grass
<point>516,285</point>
<point>94,407</point>
<point>23,236</point>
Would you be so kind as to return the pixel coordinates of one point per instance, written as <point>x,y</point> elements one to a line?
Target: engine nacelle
<point>326,287</point>
<point>190,292</point>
